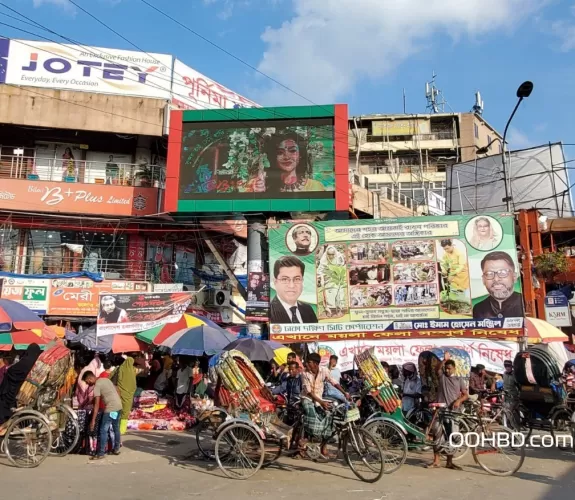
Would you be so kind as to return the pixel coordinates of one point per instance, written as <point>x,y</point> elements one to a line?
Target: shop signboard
<point>80,297</point>
<point>557,309</point>
<point>33,293</point>
<point>168,287</point>
<point>260,159</point>
<point>135,312</point>
<point>192,90</point>
<point>406,277</point>
<point>64,197</point>
<point>88,69</point>
<point>490,353</point>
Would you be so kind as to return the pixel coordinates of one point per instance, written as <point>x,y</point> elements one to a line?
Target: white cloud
<point>565,32</point>
<point>330,45</point>
<point>64,4</point>
<point>518,140</point>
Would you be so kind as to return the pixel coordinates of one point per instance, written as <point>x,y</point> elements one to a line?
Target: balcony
<point>79,171</point>
<point>111,269</point>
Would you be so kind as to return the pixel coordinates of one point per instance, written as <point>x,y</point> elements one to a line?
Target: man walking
<point>105,392</point>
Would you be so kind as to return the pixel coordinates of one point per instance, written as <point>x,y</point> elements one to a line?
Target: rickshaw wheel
<point>393,444</point>
<point>27,441</point>
<point>66,434</point>
<point>239,451</point>
<point>561,425</point>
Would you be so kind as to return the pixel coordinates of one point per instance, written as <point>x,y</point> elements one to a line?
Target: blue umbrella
<point>198,340</point>
<point>255,350</point>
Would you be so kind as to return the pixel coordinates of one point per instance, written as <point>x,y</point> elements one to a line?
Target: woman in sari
<point>127,389</point>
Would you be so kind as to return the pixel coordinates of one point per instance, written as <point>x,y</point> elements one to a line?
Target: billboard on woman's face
<point>272,159</point>
<point>408,277</point>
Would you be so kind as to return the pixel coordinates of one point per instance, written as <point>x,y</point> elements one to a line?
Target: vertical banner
<point>445,273</point>
<point>135,312</point>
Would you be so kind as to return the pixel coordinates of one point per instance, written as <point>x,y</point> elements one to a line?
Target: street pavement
<point>165,466</point>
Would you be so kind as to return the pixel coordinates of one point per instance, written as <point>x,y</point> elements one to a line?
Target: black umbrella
<point>255,350</point>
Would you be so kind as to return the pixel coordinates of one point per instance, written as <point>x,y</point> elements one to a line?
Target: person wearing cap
<point>411,387</point>
<point>317,422</point>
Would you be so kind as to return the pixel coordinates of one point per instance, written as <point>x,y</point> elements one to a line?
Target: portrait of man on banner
<point>499,276</point>
<point>288,275</point>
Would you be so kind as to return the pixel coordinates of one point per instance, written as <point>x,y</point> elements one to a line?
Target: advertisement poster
<point>258,303</point>
<point>420,275</point>
<point>136,312</point>
<point>89,69</point>
<point>278,159</point>
<point>79,297</point>
<point>32,293</point>
<point>489,353</point>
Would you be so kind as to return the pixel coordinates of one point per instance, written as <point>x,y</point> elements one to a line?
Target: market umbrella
<point>254,349</point>
<point>281,352</point>
<point>15,316</point>
<point>539,331</point>
<point>160,333</point>
<point>22,339</point>
<point>198,340</point>
<point>121,342</point>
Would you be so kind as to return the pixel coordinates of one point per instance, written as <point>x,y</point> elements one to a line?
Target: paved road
<point>153,466</point>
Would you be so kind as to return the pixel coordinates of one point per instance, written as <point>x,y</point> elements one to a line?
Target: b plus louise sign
<point>110,71</point>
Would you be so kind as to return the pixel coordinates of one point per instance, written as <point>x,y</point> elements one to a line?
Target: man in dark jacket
<point>288,281</point>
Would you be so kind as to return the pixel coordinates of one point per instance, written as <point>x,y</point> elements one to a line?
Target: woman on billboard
<point>290,166</point>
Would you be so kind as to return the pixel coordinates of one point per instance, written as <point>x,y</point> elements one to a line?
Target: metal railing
<point>86,172</point>
<point>434,136</point>
<point>113,269</point>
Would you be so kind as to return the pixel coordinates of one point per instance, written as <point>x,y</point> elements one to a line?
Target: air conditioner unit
<point>217,298</point>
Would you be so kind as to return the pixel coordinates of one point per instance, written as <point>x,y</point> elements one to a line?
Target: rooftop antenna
<point>478,107</point>
<point>435,100</point>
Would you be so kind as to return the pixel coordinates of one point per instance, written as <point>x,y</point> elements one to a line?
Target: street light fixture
<point>523,91</point>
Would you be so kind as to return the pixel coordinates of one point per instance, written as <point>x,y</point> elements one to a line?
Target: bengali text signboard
<point>416,275</point>
<point>33,293</point>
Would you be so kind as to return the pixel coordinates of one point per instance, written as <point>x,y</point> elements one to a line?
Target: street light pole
<point>523,91</point>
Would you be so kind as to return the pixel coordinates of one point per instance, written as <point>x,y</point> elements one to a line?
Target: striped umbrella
<point>21,339</point>
<point>122,342</point>
<point>539,331</point>
<point>161,333</point>
<point>199,340</point>
<point>15,316</point>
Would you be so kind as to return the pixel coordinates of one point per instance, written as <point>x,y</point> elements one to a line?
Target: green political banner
<point>415,273</point>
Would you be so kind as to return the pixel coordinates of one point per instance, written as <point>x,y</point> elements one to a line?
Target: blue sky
<point>360,52</point>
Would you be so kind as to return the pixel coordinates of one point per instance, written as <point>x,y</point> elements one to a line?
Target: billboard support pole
<point>257,250</point>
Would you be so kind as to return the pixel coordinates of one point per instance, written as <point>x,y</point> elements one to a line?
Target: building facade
<point>404,158</point>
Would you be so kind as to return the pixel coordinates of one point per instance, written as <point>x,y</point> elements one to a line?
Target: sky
<point>359,52</point>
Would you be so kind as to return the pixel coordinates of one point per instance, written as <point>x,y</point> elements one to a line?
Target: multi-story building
<point>404,158</point>
<point>83,151</point>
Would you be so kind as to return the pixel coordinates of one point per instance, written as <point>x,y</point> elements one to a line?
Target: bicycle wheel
<point>239,451</point>
<point>272,451</point>
<point>393,444</point>
<point>65,430</point>
<point>363,454</point>
<point>27,441</point>
<point>461,449</point>
<point>561,427</point>
<point>205,440</point>
<point>496,452</point>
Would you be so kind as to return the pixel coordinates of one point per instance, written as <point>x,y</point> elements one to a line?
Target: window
<point>476,129</point>
<point>56,252</point>
<point>8,248</point>
<point>488,142</point>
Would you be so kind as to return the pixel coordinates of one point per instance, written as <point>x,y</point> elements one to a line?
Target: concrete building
<point>404,158</point>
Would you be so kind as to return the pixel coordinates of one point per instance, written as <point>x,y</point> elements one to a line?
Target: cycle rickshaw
<point>42,424</point>
<point>251,436</point>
